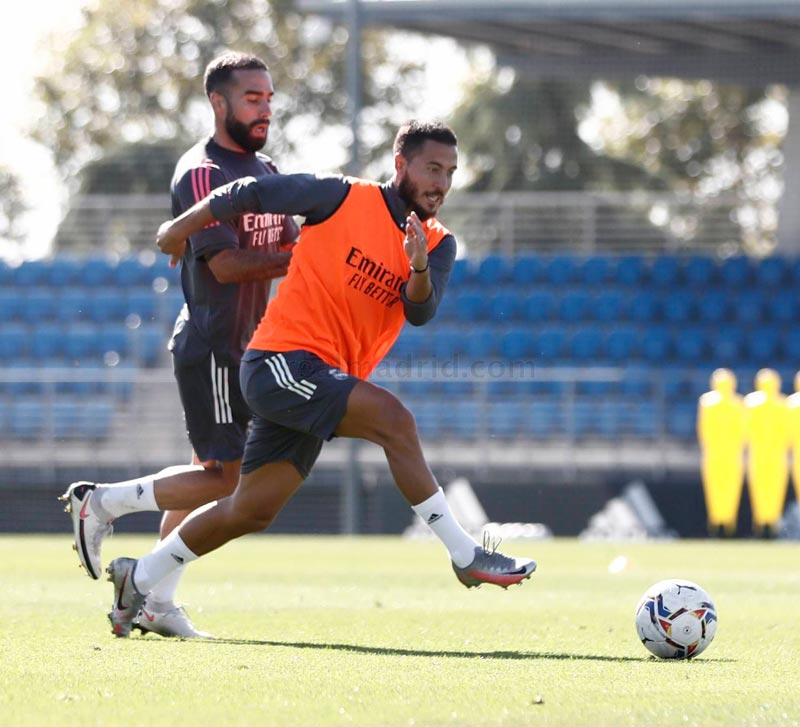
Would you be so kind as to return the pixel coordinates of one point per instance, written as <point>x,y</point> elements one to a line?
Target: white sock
<point>170,555</point>
<point>436,513</point>
<point>162,594</point>
<point>122,498</point>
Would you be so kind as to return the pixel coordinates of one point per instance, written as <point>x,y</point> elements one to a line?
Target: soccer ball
<point>675,619</point>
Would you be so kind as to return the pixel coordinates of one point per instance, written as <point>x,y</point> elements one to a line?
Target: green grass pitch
<point>377,631</point>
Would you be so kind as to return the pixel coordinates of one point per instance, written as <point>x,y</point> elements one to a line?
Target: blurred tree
<point>12,207</point>
<point>698,139</point>
<point>519,133</point>
<point>133,75</point>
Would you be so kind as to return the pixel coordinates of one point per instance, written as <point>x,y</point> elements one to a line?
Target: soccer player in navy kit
<point>225,274</point>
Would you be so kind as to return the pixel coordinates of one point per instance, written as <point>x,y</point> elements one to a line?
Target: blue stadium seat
<point>493,270</point>
<point>81,342</point>
<point>560,269</point>
<point>656,344</point>
<point>681,421</point>
<point>607,307</point>
<point>107,304</point>
<point>72,304</point>
<point>677,307</point>
<point>449,388</point>
<point>428,414</point>
<point>622,344</point>
<point>461,273</point>
<point>543,420</point>
<point>586,346</point>
<point>574,306</point>
<point>700,271</point>
<point>64,271</point>
<point>30,273</point>
<point>470,305</point>
<point>538,306</point>
<point>463,418</point>
<point>665,271</point>
<point>29,418</point>
<point>503,307</point>
<point>447,342</point>
<point>782,307</point>
<point>142,302</point>
<point>418,387</point>
<point>712,306</point>
<point>637,382</point>
<point>594,270</point>
<point>527,270</point>
<point>113,337</point>
<point>735,271</point>
<point>38,305</point>
<point>748,306</point>
<point>763,345</point>
<point>791,344</point>
<point>47,342</point>
<point>595,389</point>
<point>14,341</point>
<point>10,305</point>
<point>772,272</point>
<point>413,342</point>
<point>517,343</point>
<point>644,307</point>
<point>98,418</point>
<point>482,342</point>
<point>131,272</point>
<point>690,344</point>
<point>727,345</point>
<point>149,343</point>
<point>550,344</point>
<point>98,271</point>
<point>504,418</point>
<point>630,270</point>
<point>643,420</point>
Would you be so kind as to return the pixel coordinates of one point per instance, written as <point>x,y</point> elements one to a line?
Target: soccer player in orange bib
<point>768,451</point>
<point>720,431</point>
<point>370,257</point>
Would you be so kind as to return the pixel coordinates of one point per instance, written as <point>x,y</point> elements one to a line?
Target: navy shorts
<point>297,402</point>
<point>215,410</point>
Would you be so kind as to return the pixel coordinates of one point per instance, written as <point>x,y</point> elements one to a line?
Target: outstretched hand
<point>169,243</point>
<point>416,242</point>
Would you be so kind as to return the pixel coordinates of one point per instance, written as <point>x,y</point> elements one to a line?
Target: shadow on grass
<point>385,651</point>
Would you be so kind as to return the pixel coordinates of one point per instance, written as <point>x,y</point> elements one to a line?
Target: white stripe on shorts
<point>221,392</point>
<point>284,378</point>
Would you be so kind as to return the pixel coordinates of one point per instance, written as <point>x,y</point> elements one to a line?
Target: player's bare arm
<point>239,266</point>
<point>172,235</point>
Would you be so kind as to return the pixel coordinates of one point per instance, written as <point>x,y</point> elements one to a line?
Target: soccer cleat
<point>489,566</point>
<point>173,621</point>
<point>88,528</point>
<point>127,600</point>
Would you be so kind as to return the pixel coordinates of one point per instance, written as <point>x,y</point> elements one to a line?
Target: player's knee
<point>397,423</point>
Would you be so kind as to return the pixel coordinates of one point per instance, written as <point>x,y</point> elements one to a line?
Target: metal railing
<point>509,222</point>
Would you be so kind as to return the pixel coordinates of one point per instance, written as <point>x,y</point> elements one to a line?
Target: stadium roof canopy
<point>745,41</point>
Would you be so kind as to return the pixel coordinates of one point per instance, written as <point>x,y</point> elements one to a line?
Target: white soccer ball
<point>676,619</point>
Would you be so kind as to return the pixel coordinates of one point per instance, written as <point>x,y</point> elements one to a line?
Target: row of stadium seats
<point>92,305</point>
<point>84,343</point>
<point>69,417</point>
<point>611,305</point>
<point>66,272</point>
<point>593,270</point>
<point>586,345</point>
<point>664,271</point>
<point>542,419</point>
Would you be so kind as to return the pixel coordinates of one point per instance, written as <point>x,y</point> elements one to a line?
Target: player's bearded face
<point>242,133</point>
<point>409,193</point>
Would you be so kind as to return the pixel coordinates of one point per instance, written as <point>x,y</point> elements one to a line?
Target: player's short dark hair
<point>413,134</point>
<point>219,71</point>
